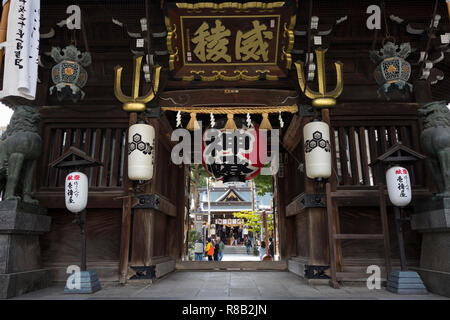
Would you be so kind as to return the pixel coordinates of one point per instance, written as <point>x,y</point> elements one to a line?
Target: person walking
<point>248,245</point>
<point>216,250</point>
<point>210,250</point>
<point>271,248</point>
<point>221,248</point>
<point>262,250</point>
<point>198,250</point>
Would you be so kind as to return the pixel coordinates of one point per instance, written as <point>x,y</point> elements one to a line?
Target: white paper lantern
<point>398,186</point>
<point>141,143</point>
<point>76,191</point>
<point>316,136</point>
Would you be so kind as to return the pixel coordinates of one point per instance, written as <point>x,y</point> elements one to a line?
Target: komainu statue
<point>435,141</point>
<point>20,147</point>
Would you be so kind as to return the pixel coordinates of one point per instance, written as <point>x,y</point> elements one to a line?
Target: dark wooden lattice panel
<point>363,132</point>
<point>358,144</point>
<point>106,144</point>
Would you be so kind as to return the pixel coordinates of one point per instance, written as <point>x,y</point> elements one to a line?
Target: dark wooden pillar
<point>287,225</point>
<point>318,247</point>
<point>126,219</point>
<point>143,220</point>
<point>317,228</point>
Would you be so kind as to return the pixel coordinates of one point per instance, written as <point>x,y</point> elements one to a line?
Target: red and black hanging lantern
<point>237,155</point>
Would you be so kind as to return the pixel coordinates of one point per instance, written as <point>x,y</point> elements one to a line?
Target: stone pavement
<point>216,285</point>
<point>239,257</point>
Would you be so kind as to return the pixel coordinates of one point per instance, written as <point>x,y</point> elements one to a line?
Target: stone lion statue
<point>20,147</point>
<point>435,141</point>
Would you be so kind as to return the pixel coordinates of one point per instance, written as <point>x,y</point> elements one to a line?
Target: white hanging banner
<point>21,49</point>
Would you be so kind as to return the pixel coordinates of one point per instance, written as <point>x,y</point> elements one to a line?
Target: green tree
<point>263,184</point>
<point>198,180</point>
<point>253,220</point>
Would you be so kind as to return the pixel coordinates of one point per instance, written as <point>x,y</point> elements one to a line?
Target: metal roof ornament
<point>321,99</point>
<point>68,74</point>
<point>392,71</point>
<point>135,103</point>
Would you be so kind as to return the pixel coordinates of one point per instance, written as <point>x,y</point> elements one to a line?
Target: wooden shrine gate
<point>153,239</point>
<point>358,137</point>
<point>145,239</point>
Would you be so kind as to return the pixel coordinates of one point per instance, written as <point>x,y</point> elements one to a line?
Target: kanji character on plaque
<point>211,45</point>
<point>251,45</point>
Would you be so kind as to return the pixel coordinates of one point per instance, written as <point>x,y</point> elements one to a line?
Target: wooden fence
<point>100,135</point>
<point>362,135</point>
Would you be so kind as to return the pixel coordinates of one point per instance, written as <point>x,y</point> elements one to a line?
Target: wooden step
<point>348,236</point>
<point>377,197</point>
<point>377,261</point>
<point>360,269</point>
<point>355,276</point>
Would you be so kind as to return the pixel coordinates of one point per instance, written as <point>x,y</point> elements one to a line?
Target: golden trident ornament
<point>135,103</point>
<point>321,99</point>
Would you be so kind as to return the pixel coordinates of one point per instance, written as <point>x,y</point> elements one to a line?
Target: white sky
<point>5,115</point>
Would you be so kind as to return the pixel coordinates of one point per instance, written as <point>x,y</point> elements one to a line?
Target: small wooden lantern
<point>403,281</point>
<point>76,160</point>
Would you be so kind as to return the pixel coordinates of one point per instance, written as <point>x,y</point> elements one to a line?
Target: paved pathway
<point>225,285</point>
<point>240,257</point>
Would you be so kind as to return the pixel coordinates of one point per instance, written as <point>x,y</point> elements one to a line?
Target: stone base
<point>406,282</point>
<point>161,269</point>
<point>431,215</point>
<point>16,284</point>
<point>89,283</point>
<point>17,217</point>
<point>437,282</point>
<point>432,219</point>
<point>21,224</point>
<point>296,267</point>
<point>299,267</point>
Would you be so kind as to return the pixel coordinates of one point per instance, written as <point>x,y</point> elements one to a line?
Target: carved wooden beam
<point>228,97</point>
<point>294,133</point>
<point>303,201</point>
<point>154,201</point>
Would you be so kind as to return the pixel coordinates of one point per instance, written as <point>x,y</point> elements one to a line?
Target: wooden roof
<point>75,158</point>
<point>398,153</point>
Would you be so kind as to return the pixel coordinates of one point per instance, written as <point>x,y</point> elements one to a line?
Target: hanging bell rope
<point>178,119</point>
<point>280,118</point>
<point>448,7</point>
<point>212,120</point>
<point>193,123</point>
<point>230,112</point>
<point>265,123</point>
<point>249,120</point>
<point>230,123</point>
<point>234,109</point>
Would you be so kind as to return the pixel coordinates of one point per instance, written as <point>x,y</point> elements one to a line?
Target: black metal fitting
<point>313,200</point>
<point>316,272</point>
<point>306,110</point>
<point>147,201</point>
<point>153,112</point>
<point>143,273</point>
